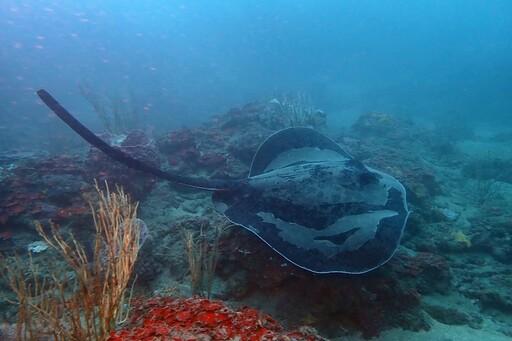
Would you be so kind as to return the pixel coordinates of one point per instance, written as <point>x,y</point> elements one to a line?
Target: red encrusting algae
<point>179,319</point>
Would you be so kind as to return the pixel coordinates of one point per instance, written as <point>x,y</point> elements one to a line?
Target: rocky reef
<point>453,265</point>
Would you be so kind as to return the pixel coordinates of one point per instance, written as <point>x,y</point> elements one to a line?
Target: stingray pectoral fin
<point>120,156</point>
<point>294,146</point>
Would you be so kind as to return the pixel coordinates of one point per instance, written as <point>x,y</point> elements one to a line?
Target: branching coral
<point>202,252</point>
<point>87,304</point>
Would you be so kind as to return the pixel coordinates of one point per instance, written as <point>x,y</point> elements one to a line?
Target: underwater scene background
<point>419,90</point>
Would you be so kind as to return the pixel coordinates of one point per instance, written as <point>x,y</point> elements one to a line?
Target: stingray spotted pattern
<point>305,197</point>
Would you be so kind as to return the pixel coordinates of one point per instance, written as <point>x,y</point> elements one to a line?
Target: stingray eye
<point>368,178</point>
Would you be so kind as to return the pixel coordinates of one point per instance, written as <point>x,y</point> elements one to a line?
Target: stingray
<point>305,196</point>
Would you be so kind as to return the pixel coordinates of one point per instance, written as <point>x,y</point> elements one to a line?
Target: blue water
<point>184,61</point>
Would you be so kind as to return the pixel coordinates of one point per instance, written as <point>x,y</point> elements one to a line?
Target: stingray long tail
<point>126,159</point>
